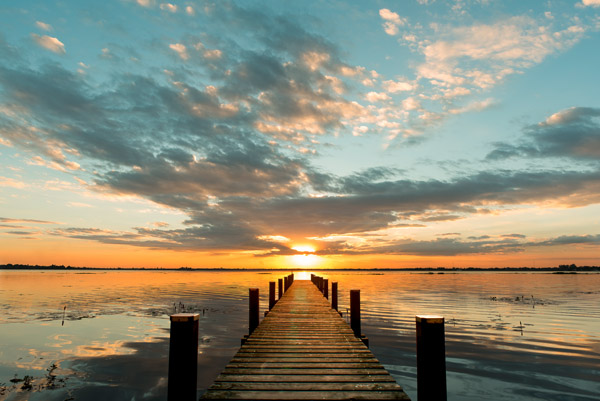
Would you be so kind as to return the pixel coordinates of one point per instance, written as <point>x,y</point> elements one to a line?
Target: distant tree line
<point>560,268</point>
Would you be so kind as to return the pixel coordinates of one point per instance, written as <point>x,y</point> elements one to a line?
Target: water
<point>509,336</point>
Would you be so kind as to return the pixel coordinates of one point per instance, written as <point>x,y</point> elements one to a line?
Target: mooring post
<point>312,278</point>
<point>321,284</point>
<point>285,284</point>
<point>334,297</point>
<point>253,308</point>
<point>183,357</point>
<point>355,312</point>
<point>431,358</point>
<point>271,294</point>
<point>326,288</point>
<point>280,285</point>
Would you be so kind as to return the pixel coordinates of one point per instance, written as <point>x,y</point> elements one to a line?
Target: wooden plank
<point>305,395</point>
<point>306,365</point>
<point>306,386</point>
<point>359,378</point>
<point>311,371</point>
<point>304,350</point>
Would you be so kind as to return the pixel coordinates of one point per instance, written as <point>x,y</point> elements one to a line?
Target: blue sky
<point>400,134</point>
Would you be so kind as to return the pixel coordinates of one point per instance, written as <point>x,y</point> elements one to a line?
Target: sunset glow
<point>307,258</point>
<point>432,133</point>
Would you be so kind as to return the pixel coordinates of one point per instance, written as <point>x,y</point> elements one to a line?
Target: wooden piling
<point>355,312</point>
<point>280,285</point>
<point>334,295</point>
<point>431,358</point>
<point>271,294</point>
<point>326,288</point>
<point>183,357</point>
<point>253,310</point>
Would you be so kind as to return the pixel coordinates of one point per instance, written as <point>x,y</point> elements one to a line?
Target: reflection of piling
<point>271,294</point>
<point>183,357</point>
<point>431,358</point>
<point>253,310</point>
<point>334,295</point>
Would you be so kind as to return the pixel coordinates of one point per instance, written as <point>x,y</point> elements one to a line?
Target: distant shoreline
<point>560,269</point>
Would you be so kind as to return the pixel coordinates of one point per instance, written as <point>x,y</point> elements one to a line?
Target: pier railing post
<point>334,296</point>
<point>253,310</point>
<point>271,294</point>
<point>280,285</point>
<point>355,316</point>
<point>326,288</point>
<point>431,358</point>
<point>285,284</point>
<point>355,312</point>
<point>183,357</point>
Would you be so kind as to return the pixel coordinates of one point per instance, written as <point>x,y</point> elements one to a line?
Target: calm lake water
<point>509,336</point>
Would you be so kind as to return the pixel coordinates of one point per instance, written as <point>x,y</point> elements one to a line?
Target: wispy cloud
<point>49,43</point>
<point>168,7</point>
<point>43,26</point>
<point>11,183</point>
<point>11,220</point>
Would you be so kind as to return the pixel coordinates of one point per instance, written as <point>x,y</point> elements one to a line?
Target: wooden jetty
<point>304,350</point>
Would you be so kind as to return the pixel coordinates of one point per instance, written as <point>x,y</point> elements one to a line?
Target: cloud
<point>474,106</point>
<point>180,49</point>
<point>590,3</point>
<point>392,21</point>
<point>397,86</point>
<point>411,103</point>
<point>375,97</point>
<point>172,8</point>
<point>11,183</point>
<point>145,3</point>
<point>49,43</point>
<point>10,220</point>
<point>212,54</point>
<point>43,26</point>
<point>572,133</point>
<point>486,53</point>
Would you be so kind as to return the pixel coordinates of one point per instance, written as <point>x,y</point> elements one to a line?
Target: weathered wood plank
<point>328,371</point>
<point>306,386</point>
<point>306,395</point>
<point>355,378</point>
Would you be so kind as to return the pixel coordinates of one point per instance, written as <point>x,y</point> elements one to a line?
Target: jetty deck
<point>304,350</point>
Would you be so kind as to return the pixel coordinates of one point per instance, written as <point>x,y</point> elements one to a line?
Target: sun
<point>307,258</point>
